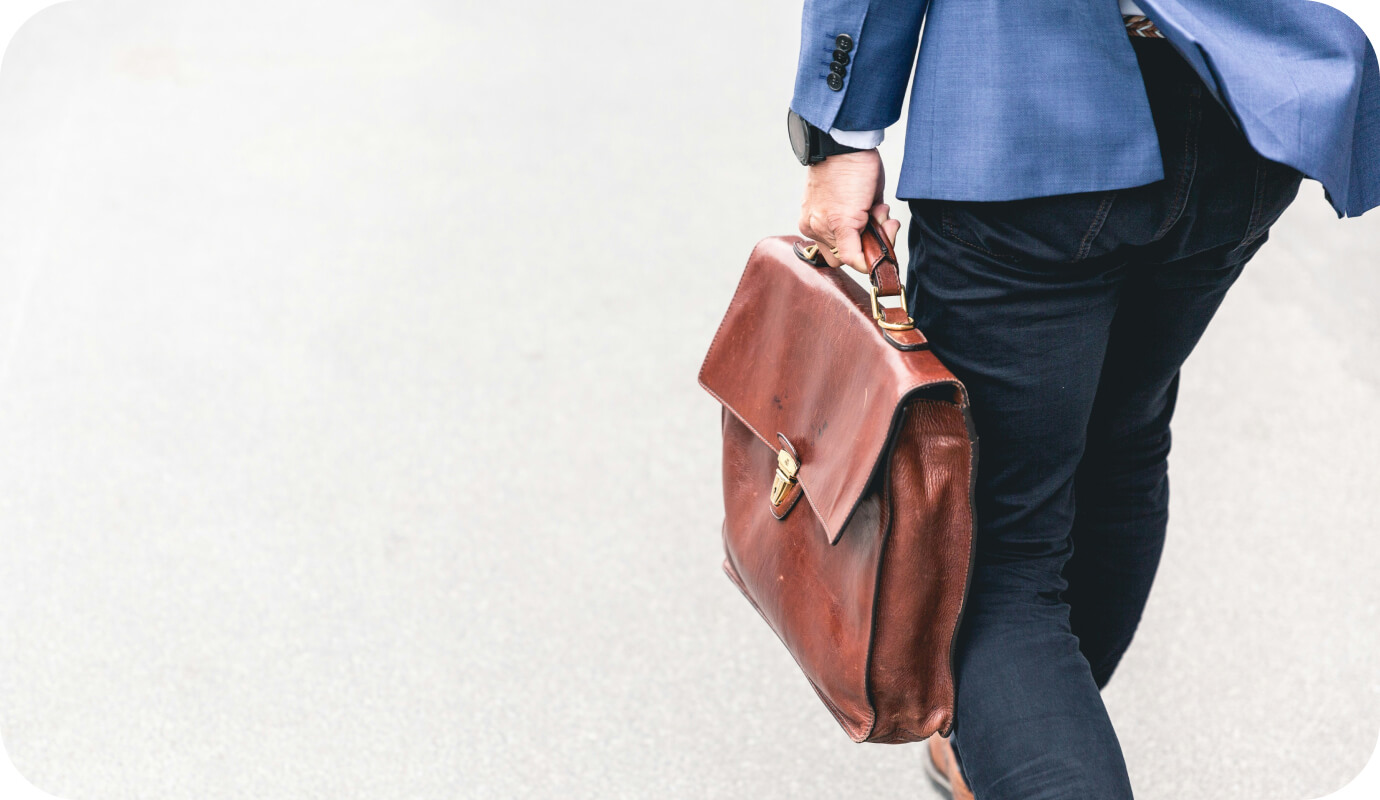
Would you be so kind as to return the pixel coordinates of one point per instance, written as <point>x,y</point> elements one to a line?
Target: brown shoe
<point>943,769</point>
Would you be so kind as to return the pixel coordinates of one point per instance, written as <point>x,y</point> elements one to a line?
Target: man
<point>1086,180</point>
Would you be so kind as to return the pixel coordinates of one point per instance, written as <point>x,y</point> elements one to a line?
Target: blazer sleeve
<point>879,46</point>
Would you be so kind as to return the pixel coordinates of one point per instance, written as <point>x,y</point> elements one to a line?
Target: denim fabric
<point>1068,318</point>
<point>1014,99</point>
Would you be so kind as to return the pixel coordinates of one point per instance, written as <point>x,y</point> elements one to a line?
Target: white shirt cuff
<point>863,140</point>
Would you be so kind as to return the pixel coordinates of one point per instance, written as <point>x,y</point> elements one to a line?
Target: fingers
<point>881,214</point>
<point>840,193</point>
<point>838,238</point>
<point>825,250</point>
<point>841,242</point>
<point>807,229</point>
<point>848,242</point>
<point>893,229</point>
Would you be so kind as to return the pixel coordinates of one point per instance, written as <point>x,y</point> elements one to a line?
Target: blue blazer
<point>1026,98</point>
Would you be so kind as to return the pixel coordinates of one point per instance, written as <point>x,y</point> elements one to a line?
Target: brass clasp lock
<point>786,470</point>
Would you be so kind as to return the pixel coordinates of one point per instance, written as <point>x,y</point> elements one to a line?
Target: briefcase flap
<point>799,354</point>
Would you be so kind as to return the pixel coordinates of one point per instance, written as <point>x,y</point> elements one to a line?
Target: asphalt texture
<point>352,446</point>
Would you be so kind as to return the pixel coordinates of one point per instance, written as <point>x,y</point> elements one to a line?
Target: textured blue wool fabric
<point>1028,98</point>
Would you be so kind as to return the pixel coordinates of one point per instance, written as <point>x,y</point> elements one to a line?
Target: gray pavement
<point>352,445</point>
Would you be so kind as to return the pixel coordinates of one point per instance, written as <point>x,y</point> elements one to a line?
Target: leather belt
<point>1141,27</point>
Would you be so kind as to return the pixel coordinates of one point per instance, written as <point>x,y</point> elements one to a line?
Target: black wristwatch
<point>812,145</point>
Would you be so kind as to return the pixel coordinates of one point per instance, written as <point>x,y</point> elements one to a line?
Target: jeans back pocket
<point>1060,229</point>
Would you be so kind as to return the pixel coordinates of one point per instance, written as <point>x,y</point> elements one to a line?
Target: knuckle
<point>841,221</point>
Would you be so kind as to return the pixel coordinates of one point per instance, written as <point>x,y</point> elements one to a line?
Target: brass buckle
<point>909,324</point>
<point>786,470</point>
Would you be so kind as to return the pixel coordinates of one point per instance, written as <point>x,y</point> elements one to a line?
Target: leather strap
<point>884,268</point>
<point>884,273</point>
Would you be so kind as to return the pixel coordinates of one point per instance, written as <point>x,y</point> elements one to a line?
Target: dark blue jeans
<point>1068,319</point>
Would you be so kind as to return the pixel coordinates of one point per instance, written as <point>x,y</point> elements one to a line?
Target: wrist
<point>813,145</point>
<point>856,158</point>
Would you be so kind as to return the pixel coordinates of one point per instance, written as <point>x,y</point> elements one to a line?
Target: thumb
<point>881,214</point>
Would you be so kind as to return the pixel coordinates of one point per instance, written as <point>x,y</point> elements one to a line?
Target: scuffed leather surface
<point>924,573</point>
<point>817,597</point>
<point>885,274</point>
<point>869,608</point>
<point>798,353</point>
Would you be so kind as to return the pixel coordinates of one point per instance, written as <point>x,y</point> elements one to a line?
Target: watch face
<point>799,130</point>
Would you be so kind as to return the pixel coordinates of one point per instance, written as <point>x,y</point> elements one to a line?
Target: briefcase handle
<point>884,275</point>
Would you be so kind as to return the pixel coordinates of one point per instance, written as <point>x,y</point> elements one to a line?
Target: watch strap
<point>829,146</point>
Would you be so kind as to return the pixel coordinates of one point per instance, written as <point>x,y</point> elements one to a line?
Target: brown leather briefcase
<point>832,395</point>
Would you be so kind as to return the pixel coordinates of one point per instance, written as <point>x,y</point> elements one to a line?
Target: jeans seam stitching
<point>1100,219</point>
<point>1180,203</point>
<point>948,230</point>
<point>1257,205</point>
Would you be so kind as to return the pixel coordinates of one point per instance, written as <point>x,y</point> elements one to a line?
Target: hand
<point>841,192</point>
